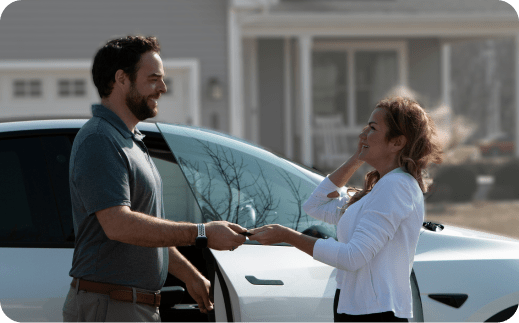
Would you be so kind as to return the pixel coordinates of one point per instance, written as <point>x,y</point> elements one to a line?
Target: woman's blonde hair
<point>406,117</point>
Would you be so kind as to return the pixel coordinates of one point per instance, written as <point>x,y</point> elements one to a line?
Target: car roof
<point>34,125</point>
<point>41,125</point>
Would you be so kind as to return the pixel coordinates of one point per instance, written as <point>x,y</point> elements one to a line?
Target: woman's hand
<point>342,175</point>
<point>275,233</point>
<point>270,234</point>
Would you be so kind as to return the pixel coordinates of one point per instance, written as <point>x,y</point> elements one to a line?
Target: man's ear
<point>121,77</point>
<point>399,143</point>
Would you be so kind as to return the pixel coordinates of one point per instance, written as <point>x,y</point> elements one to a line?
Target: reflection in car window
<point>179,202</point>
<point>29,213</point>
<point>242,184</point>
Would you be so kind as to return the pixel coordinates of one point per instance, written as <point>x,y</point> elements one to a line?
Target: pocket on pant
<point>92,307</point>
<point>70,307</point>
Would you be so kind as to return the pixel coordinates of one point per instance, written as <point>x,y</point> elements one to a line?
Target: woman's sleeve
<point>321,207</point>
<point>391,203</point>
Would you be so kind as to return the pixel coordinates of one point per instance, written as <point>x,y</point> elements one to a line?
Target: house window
<point>71,88</point>
<point>27,88</point>
<point>376,73</point>
<point>330,91</point>
<point>350,78</point>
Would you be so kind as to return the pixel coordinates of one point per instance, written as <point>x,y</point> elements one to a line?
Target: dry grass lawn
<point>500,218</point>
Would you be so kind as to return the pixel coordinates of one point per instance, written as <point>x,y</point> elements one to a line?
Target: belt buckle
<point>156,299</point>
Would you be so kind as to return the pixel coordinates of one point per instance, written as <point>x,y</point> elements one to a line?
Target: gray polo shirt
<point>110,166</point>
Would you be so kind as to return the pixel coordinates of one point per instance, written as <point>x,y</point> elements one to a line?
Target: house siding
<point>271,93</point>
<point>63,29</point>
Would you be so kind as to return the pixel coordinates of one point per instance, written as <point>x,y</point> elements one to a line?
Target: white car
<point>459,275</point>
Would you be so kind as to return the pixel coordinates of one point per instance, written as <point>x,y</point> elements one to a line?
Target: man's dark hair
<point>120,54</point>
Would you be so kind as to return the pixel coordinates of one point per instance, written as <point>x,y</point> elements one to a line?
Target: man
<point>124,246</point>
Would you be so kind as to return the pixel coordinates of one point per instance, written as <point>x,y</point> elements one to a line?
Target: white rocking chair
<point>331,141</point>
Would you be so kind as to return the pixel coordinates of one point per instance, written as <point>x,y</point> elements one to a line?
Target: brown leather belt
<point>118,292</point>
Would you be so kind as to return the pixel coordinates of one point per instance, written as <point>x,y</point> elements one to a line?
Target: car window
<point>179,202</point>
<point>240,183</point>
<point>57,155</point>
<point>29,213</point>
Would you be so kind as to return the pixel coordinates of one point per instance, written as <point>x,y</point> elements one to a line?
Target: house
<point>48,47</point>
<point>299,77</point>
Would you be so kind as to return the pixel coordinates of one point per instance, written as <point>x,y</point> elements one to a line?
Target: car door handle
<point>255,281</point>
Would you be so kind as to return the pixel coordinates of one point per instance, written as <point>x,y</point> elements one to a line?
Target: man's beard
<point>138,104</point>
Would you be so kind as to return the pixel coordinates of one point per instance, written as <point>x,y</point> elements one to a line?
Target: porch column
<point>250,72</point>
<point>289,139</point>
<point>305,66</point>
<point>517,95</point>
<point>194,94</point>
<point>446,74</point>
<point>446,80</point>
<point>235,75</point>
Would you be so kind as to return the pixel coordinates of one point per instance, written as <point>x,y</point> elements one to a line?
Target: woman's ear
<point>399,143</point>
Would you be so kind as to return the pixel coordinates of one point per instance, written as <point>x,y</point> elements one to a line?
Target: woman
<point>377,227</point>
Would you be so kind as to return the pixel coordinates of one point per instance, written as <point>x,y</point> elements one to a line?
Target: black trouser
<point>375,317</point>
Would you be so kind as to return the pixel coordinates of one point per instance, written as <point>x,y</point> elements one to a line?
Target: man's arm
<point>197,285</point>
<point>122,224</point>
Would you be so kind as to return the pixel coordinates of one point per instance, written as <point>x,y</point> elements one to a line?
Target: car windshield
<point>241,183</point>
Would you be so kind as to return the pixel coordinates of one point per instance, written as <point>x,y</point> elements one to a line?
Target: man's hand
<point>223,235</point>
<point>199,289</point>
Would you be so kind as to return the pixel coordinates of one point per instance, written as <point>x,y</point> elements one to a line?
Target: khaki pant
<point>82,306</point>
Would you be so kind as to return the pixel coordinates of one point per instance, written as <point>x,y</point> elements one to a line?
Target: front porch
<point>308,82</point>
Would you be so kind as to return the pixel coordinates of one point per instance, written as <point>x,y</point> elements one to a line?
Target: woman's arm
<point>321,207</point>
<point>342,175</point>
<point>326,203</point>
<point>391,203</point>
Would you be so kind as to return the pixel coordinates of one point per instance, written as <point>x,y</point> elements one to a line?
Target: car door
<point>240,183</point>
<point>36,244</point>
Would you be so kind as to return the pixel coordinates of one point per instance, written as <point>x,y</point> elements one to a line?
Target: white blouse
<point>377,238</point>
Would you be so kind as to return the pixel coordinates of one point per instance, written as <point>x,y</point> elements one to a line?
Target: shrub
<point>506,182</point>
<point>453,183</point>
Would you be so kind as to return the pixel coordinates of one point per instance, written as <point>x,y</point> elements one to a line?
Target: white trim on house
<point>305,66</point>
<point>253,4</point>
<point>35,66</point>
<point>381,25</point>
<point>385,18</point>
<point>45,65</point>
<point>193,66</point>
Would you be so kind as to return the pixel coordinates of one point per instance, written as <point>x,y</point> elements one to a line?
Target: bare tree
<point>230,172</point>
<point>295,189</point>
<point>233,187</point>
